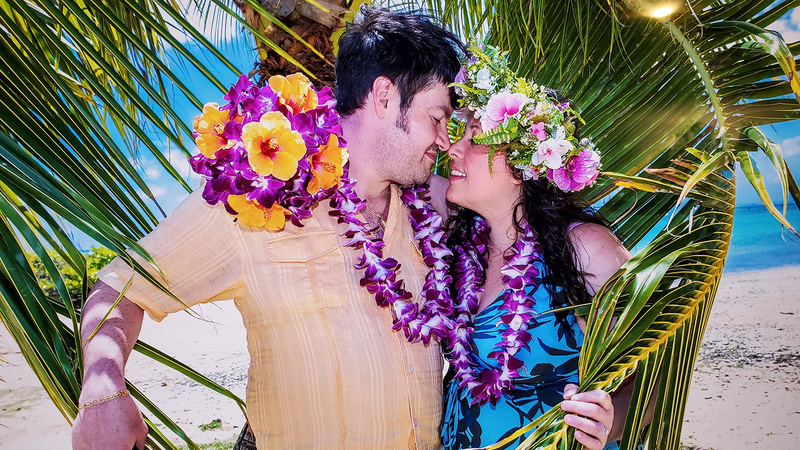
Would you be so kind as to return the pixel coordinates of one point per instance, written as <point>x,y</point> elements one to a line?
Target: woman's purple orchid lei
<point>275,152</point>
<point>536,133</point>
<point>519,271</point>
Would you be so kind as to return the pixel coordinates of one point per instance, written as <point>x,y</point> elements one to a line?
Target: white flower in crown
<point>550,152</point>
<point>483,79</point>
<point>477,111</point>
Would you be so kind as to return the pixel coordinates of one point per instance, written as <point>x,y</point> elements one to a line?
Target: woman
<point>522,247</point>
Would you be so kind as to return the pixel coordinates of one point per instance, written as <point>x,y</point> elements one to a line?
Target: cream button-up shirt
<point>326,369</point>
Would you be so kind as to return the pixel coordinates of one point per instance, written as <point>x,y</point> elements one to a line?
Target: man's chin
<point>415,178</point>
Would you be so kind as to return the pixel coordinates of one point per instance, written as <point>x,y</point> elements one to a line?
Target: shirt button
<point>416,422</point>
<point>411,368</point>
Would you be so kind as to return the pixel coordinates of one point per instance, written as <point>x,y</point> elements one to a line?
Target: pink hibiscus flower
<point>500,107</point>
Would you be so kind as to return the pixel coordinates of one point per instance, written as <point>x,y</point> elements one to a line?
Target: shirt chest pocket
<point>310,271</point>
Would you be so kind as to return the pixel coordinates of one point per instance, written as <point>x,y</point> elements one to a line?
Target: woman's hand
<point>592,418</point>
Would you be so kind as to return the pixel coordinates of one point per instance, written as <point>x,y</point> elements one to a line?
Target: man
<point>326,369</point>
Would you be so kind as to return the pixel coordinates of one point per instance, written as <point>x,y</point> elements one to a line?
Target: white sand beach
<point>745,391</point>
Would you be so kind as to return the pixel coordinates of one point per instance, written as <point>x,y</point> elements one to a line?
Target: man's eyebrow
<point>448,111</point>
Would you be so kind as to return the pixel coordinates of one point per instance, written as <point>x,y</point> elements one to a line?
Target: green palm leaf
<point>672,104</point>
<point>73,75</point>
<point>661,99</point>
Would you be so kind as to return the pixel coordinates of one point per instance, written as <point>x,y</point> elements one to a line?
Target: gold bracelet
<point>103,399</point>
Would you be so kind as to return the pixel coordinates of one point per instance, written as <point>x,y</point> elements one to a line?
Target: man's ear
<point>382,91</point>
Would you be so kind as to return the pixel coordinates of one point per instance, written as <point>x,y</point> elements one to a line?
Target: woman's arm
<point>599,254</point>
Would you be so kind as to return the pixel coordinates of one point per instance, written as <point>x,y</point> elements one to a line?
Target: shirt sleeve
<point>198,249</point>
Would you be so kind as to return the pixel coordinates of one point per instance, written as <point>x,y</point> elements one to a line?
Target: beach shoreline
<point>744,390</point>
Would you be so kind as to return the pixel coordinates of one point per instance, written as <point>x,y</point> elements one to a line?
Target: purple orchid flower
<point>236,92</point>
<point>579,172</point>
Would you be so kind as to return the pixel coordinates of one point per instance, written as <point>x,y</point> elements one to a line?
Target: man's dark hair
<point>408,48</point>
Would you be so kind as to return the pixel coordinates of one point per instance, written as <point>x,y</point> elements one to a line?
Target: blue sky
<point>236,45</point>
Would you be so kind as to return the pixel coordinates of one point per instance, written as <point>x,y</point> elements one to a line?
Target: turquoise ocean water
<point>760,242</point>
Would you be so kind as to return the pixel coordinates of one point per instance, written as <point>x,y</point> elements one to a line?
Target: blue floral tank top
<point>550,364</point>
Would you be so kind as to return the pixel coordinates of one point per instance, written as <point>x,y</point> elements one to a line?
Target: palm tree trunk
<point>308,21</point>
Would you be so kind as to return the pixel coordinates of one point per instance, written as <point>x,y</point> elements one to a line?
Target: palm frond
<point>672,105</point>
<point>77,77</point>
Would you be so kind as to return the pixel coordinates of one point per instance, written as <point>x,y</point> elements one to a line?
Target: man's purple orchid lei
<point>276,151</point>
<point>380,275</point>
<point>488,384</point>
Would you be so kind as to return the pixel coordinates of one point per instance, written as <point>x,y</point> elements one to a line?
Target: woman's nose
<point>456,148</point>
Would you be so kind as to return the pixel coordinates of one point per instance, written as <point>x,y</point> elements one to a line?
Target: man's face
<point>407,148</point>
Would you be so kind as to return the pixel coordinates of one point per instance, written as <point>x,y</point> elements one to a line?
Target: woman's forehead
<point>467,115</point>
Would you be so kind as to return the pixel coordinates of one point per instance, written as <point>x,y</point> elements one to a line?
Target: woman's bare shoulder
<point>599,253</point>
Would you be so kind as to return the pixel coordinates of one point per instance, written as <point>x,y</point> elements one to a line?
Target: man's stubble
<point>394,158</point>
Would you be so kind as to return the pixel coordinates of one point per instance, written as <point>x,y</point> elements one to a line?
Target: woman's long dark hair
<point>549,212</point>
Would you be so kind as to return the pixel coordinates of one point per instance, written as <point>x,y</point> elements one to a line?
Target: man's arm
<point>117,423</point>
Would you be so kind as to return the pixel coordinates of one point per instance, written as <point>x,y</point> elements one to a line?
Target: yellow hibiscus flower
<point>295,91</point>
<point>326,165</point>
<point>210,126</point>
<point>251,214</point>
<point>273,148</point>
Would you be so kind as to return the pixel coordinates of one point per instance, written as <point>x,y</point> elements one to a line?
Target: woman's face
<point>472,184</point>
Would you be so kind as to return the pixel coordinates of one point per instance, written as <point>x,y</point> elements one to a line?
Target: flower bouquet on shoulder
<point>270,153</point>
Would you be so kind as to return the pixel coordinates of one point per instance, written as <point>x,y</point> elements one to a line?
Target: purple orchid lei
<point>519,271</point>
<point>380,274</point>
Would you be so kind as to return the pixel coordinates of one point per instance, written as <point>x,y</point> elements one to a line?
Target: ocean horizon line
<point>755,205</point>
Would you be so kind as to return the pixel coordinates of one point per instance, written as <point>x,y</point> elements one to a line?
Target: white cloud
<point>213,23</point>
<point>180,162</point>
<point>152,172</point>
<point>158,191</point>
<point>791,146</point>
<point>788,27</point>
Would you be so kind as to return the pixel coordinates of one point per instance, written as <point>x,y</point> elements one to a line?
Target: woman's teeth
<point>457,173</point>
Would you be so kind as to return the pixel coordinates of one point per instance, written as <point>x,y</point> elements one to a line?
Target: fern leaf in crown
<point>501,134</point>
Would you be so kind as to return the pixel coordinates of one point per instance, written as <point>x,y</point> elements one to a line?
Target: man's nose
<point>443,141</point>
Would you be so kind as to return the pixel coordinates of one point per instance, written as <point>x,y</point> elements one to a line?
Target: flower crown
<point>534,129</point>
<point>270,152</point>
